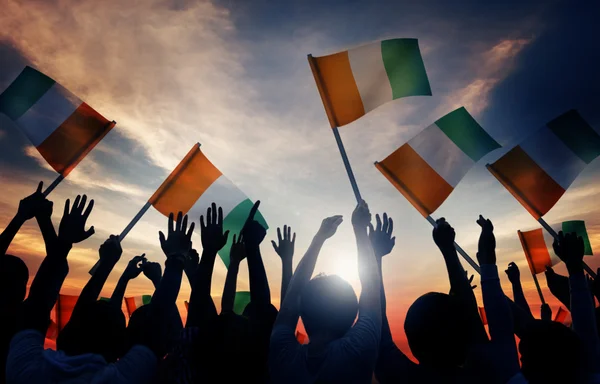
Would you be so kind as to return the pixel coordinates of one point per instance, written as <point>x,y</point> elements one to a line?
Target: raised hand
<point>487,242</point>
<point>110,251</point>
<point>329,225</point>
<point>191,262</point>
<point>152,271</point>
<point>253,232</point>
<point>361,217</point>
<point>72,226</point>
<point>513,273</point>
<point>29,207</point>
<point>546,312</point>
<point>443,234</point>
<point>285,245</point>
<point>178,242</point>
<point>381,237</point>
<point>570,248</point>
<point>213,238</point>
<point>238,250</point>
<point>134,267</point>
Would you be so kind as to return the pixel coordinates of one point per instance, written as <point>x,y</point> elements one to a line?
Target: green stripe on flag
<point>405,69</point>
<point>234,221</point>
<point>578,226</point>
<point>146,299</point>
<point>577,134</point>
<point>242,299</point>
<point>24,92</point>
<point>467,134</point>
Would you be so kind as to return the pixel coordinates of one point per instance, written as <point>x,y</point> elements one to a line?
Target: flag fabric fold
<point>61,126</point>
<point>539,170</point>
<point>537,244</point>
<point>428,167</point>
<point>354,82</point>
<point>197,183</point>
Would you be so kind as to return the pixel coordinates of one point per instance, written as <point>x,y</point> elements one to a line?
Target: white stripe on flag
<point>449,161</point>
<point>48,113</point>
<point>553,156</point>
<point>222,192</point>
<point>370,75</point>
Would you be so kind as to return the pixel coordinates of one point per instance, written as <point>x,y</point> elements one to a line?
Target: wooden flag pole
<point>334,126</point>
<point>551,231</point>
<point>530,262</point>
<point>462,252</point>
<point>53,185</point>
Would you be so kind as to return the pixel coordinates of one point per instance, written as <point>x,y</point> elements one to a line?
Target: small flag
<point>538,171</point>
<point>61,126</point>
<point>133,303</point>
<point>354,82</point>
<point>483,315</point>
<point>428,167</point>
<point>537,244</point>
<point>242,299</point>
<point>562,316</point>
<point>197,183</point>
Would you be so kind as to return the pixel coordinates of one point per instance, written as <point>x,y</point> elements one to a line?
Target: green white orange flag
<point>197,183</point>
<point>428,167</point>
<point>63,128</point>
<point>537,244</point>
<point>134,302</point>
<point>354,82</point>
<point>538,171</point>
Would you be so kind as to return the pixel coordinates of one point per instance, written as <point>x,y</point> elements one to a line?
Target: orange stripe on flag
<point>339,87</point>
<point>561,315</point>
<point>188,181</point>
<point>74,139</point>
<point>415,179</point>
<point>527,182</point>
<point>536,251</point>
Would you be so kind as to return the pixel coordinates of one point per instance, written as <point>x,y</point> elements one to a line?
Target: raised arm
<point>133,270</point>
<point>289,311</point>
<point>201,307</point>
<point>569,248</point>
<point>27,210</point>
<point>559,286</point>
<point>514,276</point>
<point>285,249</point>
<point>153,271</point>
<point>496,306</point>
<point>460,286</point>
<point>236,255</point>
<point>254,233</point>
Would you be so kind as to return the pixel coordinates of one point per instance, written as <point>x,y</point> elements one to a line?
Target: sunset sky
<point>233,76</point>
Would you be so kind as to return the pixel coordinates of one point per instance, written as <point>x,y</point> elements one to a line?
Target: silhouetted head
<point>13,281</point>
<point>141,327</point>
<point>551,353</point>
<point>328,307</point>
<point>437,330</point>
<point>100,329</point>
<point>136,329</point>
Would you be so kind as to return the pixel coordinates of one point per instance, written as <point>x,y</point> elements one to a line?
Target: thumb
<point>226,236</point>
<point>89,233</point>
<point>371,228</point>
<point>275,247</point>
<point>161,237</point>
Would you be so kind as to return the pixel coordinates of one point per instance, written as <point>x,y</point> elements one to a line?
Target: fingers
<point>286,235</point>
<point>202,225</point>
<point>208,216</point>
<point>370,227</point>
<point>279,238</point>
<point>393,241</point>
<point>294,242</point>
<point>378,220</point>
<point>39,187</point>
<point>161,237</point>
<point>220,218</point>
<point>226,236</point>
<point>253,210</point>
<point>390,226</point>
<point>191,230</point>
<point>90,232</point>
<point>179,221</point>
<point>76,203</point>
<point>234,239</point>
<point>171,223</point>
<point>384,228</point>
<point>214,213</point>
<point>184,224</point>
<point>67,207</point>
<point>88,210</point>
<point>82,204</point>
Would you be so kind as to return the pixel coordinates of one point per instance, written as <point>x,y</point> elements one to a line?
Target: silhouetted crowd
<point>349,338</point>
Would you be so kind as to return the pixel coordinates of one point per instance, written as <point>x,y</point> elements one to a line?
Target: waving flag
<point>562,316</point>
<point>428,167</point>
<point>134,302</point>
<point>537,244</point>
<point>359,80</point>
<point>538,171</point>
<point>197,182</point>
<point>61,126</point>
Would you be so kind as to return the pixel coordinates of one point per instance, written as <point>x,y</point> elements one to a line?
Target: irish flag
<point>133,303</point>
<point>61,126</point>
<point>538,171</point>
<point>197,183</point>
<point>537,244</point>
<point>354,82</point>
<point>428,167</point>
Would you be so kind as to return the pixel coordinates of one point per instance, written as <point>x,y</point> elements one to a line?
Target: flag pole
<point>530,262</point>
<point>334,126</point>
<point>551,231</point>
<point>458,248</point>
<point>83,152</point>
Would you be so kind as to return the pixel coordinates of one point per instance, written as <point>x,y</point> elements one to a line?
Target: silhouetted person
<point>285,249</point>
<point>338,352</point>
<point>514,276</point>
